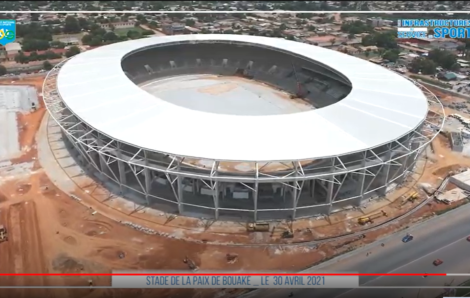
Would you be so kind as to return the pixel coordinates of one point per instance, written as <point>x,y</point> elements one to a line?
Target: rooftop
<point>381,107</point>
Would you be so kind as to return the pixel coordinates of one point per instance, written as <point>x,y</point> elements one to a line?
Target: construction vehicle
<point>3,233</point>
<point>257,227</point>
<point>286,232</point>
<point>413,197</point>
<point>190,263</point>
<point>370,219</point>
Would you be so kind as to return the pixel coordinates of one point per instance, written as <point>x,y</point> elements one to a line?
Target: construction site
<point>54,218</point>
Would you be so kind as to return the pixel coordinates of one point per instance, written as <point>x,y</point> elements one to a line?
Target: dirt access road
<point>24,252</point>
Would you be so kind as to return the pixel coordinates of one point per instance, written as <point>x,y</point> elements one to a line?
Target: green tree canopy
<point>423,65</point>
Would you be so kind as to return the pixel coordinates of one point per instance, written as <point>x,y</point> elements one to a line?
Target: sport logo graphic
<point>7,31</point>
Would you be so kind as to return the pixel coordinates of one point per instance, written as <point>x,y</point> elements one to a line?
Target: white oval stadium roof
<point>382,106</point>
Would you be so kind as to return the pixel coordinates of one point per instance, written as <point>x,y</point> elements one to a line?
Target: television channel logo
<point>7,31</point>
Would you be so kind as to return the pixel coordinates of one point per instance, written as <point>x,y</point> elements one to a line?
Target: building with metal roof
<point>149,117</point>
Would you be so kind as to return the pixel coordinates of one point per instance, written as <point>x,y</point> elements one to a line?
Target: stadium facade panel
<point>361,138</point>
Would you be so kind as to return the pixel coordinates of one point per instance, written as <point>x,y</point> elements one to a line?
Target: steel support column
<point>362,181</point>
<point>255,193</point>
<point>330,188</point>
<point>179,189</point>
<point>404,168</point>
<point>147,179</point>
<point>122,169</point>
<point>103,166</point>
<point>215,188</point>
<point>388,156</point>
<point>312,189</point>
<point>294,199</point>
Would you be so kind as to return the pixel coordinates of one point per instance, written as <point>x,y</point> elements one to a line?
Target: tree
<point>423,65</point>
<point>110,37</point>
<point>153,25</point>
<point>57,44</point>
<point>71,25</point>
<point>147,32</point>
<point>190,22</point>
<point>391,55</point>
<point>51,55</point>
<point>74,50</point>
<point>34,31</point>
<point>21,58</point>
<point>86,39</point>
<point>83,23</point>
<point>368,40</point>
<point>3,70</point>
<point>47,65</point>
<point>444,58</point>
<point>29,45</point>
<point>132,34</point>
<point>141,19</point>
<point>386,40</point>
<point>355,27</point>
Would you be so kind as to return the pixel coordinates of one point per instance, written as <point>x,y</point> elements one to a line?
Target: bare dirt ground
<point>51,233</point>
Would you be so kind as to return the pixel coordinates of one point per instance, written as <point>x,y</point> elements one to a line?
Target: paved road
<point>441,237</point>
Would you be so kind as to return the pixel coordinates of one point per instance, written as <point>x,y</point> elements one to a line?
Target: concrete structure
<point>361,137</point>
<point>173,28</point>
<point>462,180</point>
<point>13,100</point>
<point>456,141</point>
<point>11,50</point>
<point>70,41</point>
<point>375,22</point>
<point>119,25</point>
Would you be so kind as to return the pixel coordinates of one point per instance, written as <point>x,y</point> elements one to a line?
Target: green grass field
<point>123,31</point>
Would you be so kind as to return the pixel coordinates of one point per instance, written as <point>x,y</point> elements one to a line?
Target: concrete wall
<point>461,180</point>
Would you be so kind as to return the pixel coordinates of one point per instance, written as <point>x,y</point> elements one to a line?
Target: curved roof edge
<point>381,107</point>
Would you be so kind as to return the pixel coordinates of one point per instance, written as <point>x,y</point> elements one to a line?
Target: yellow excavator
<point>413,197</point>
<point>287,232</point>
<point>370,219</point>
<point>257,227</point>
